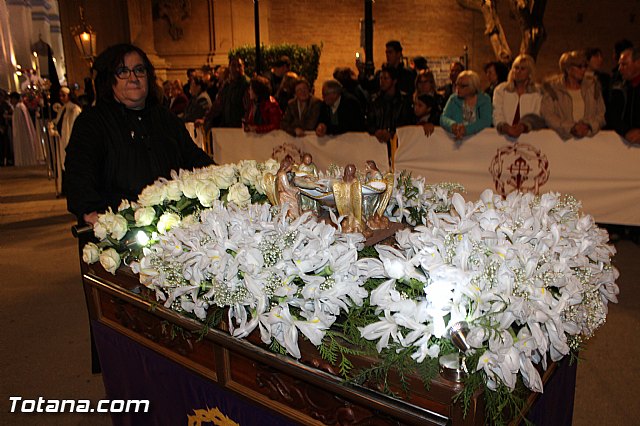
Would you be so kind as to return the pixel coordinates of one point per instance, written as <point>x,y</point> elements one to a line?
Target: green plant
<point>304,60</point>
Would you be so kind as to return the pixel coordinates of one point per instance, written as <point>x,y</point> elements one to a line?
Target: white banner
<point>601,172</point>
<point>233,145</point>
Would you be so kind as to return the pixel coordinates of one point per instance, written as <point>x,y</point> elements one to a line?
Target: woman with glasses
<point>516,102</point>
<point>572,103</point>
<point>127,140</point>
<point>469,110</point>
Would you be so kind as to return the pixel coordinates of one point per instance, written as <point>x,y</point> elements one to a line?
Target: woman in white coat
<point>516,102</point>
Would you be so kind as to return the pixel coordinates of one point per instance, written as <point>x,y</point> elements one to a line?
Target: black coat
<point>114,152</point>
<point>623,111</point>
<point>389,113</point>
<point>350,116</point>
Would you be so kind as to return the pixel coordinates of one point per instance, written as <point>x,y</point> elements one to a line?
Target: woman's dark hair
<point>502,71</point>
<point>428,100</point>
<point>110,60</point>
<point>261,87</point>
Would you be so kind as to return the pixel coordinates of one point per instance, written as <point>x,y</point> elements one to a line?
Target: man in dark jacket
<point>232,100</point>
<point>340,112</point>
<point>623,114</point>
<point>389,109</point>
<point>406,77</point>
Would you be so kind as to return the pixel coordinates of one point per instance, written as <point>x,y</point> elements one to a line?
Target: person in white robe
<point>61,130</point>
<point>25,141</point>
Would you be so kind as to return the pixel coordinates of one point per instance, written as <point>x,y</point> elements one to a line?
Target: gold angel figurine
<point>348,196</point>
<point>269,183</point>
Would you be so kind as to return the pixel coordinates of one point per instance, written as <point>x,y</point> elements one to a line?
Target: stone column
<point>8,78</point>
<point>21,29</point>
<point>141,31</point>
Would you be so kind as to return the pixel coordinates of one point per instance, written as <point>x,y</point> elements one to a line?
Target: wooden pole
<point>256,20</point>
<point>368,37</point>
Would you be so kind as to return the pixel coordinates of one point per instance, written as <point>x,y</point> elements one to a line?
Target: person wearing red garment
<point>264,114</point>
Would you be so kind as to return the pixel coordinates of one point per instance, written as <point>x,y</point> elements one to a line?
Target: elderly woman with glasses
<point>572,103</point>
<point>469,110</point>
<point>516,102</point>
<point>127,140</point>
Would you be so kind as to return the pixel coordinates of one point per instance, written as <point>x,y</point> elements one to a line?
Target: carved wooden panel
<point>316,403</point>
<point>159,334</point>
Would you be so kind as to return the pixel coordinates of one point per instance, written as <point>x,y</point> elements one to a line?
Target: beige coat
<point>557,106</point>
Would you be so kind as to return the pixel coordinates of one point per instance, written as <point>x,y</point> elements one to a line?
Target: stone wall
<point>443,28</point>
<point>426,27</point>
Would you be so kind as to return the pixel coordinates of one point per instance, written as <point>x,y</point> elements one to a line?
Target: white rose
<point>189,185</point>
<point>250,175</point>
<point>99,230</point>
<point>225,176</point>
<point>271,166</point>
<point>207,192</point>
<point>145,216</point>
<point>173,191</point>
<point>152,195</point>
<point>119,227</point>
<point>110,260</point>
<point>90,253</point>
<point>239,195</point>
<point>167,221</point>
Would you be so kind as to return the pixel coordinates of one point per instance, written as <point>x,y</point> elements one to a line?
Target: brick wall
<point>443,28</point>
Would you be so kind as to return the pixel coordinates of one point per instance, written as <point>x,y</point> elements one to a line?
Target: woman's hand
<point>90,218</point>
<point>383,135</point>
<point>515,131</point>
<point>321,130</point>
<point>458,130</point>
<point>428,129</point>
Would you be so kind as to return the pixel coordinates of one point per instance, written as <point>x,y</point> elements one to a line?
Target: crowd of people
<point>134,133</point>
<point>578,102</point>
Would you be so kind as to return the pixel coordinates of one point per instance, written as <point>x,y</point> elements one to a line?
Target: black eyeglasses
<point>583,66</point>
<point>123,73</point>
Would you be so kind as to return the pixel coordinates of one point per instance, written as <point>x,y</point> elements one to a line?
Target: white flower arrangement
<point>528,274</point>
<point>531,275</point>
<point>283,277</point>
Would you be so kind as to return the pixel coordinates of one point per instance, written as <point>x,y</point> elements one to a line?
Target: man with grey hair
<point>623,114</point>
<point>341,112</point>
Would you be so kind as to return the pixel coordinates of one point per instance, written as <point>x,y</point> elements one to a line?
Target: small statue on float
<point>348,197</point>
<point>375,206</point>
<point>281,190</point>
<point>306,176</point>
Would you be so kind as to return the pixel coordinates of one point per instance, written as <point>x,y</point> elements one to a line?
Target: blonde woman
<point>516,102</point>
<point>469,110</point>
<point>572,103</point>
